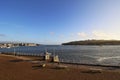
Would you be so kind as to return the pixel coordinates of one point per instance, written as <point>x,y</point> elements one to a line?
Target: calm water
<point>106,55</point>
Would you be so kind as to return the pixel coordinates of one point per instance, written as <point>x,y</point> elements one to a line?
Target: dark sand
<point>12,68</point>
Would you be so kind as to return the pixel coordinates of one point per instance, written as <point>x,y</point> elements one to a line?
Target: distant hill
<point>94,42</point>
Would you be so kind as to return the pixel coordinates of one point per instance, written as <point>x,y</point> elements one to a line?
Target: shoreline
<point>39,59</point>
<point>30,57</point>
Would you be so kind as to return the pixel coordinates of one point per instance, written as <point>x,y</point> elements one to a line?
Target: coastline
<point>14,66</point>
<point>40,58</point>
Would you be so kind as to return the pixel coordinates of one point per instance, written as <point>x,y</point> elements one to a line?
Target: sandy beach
<point>22,68</point>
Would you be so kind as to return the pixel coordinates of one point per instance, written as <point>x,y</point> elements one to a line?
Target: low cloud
<point>82,34</point>
<point>2,35</point>
<point>96,34</point>
<point>104,35</point>
<point>61,36</point>
<point>52,33</point>
<point>100,34</point>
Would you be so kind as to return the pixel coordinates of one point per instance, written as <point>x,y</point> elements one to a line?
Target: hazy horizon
<point>59,21</point>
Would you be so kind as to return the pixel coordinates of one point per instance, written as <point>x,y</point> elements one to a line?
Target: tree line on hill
<point>94,42</point>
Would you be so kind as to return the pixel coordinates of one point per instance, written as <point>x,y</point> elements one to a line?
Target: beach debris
<point>39,66</point>
<point>61,67</point>
<point>35,62</point>
<point>43,65</point>
<point>93,70</point>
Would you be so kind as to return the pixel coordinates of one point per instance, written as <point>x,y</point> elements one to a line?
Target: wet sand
<point>21,68</point>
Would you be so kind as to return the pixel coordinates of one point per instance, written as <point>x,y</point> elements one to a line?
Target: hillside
<point>94,42</point>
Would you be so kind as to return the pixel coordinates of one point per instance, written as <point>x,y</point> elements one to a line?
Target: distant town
<point>9,45</point>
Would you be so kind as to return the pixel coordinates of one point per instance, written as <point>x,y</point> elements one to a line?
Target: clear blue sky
<point>57,21</point>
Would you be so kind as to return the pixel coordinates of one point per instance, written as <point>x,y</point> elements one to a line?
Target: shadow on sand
<point>92,71</point>
<point>16,60</point>
<point>37,67</point>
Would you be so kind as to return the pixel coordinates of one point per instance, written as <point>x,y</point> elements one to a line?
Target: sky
<point>59,21</point>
